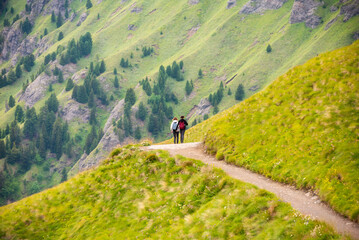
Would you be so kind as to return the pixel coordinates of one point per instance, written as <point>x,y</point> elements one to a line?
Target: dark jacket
<point>185,123</point>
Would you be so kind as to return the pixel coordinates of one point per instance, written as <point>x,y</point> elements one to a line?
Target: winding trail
<point>304,202</point>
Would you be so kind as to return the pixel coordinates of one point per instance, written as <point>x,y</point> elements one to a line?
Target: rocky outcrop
<point>202,108</point>
<point>193,2</point>
<point>56,6</point>
<point>42,46</point>
<point>37,6</point>
<point>259,6</point>
<point>330,23</point>
<point>131,27</point>
<point>107,142</point>
<point>136,10</point>
<point>12,42</point>
<point>304,11</point>
<point>231,3</point>
<point>37,89</point>
<point>350,10</point>
<point>356,36</point>
<point>75,111</point>
<point>27,46</point>
<point>82,19</point>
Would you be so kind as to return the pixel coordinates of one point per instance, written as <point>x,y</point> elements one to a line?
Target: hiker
<point>175,130</point>
<point>182,127</point>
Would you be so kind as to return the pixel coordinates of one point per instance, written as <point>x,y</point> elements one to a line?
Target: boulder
<point>260,6</point>
<point>75,111</point>
<point>131,27</point>
<point>304,11</point>
<point>82,19</point>
<point>193,2</point>
<point>231,3</point>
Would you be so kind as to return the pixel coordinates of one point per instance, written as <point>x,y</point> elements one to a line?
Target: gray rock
<point>136,10</point>
<point>202,108</point>
<point>350,10</point>
<point>75,111</point>
<point>254,88</point>
<point>330,23</point>
<point>37,6</point>
<point>42,46</point>
<point>193,2</point>
<point>73,16</point>
<point>260,6</point>
<point>304,11</point>
<point>56,6</point>
<point>131,27</point>
<point>82,19</point>
<point>12,42</point>
<point>333,8</point>
<point>27,46</point>
<point>231,3</point>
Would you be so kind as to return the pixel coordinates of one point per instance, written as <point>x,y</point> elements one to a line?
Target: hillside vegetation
<point>136,194</point>
<point>302,129</point>
<point>172,55</point>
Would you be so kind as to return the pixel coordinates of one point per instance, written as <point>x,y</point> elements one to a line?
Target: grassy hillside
<point>207,36</point>
<point>302,129</point>
<point>150,195</point>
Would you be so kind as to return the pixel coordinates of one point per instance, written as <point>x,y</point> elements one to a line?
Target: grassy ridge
<point>302,129</point>
<point>150,195</point>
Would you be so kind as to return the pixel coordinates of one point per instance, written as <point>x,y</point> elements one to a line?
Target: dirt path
<point>304,202</point>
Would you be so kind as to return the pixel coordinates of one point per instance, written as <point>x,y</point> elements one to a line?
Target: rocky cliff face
<point>37,89</point>
<point>12,41</point>
<point>260,6</point>
<point>201,109</point>
<point>350,10</point>
<point>304,11</point>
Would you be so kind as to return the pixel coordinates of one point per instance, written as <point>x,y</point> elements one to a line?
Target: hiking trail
<point>305,202</point>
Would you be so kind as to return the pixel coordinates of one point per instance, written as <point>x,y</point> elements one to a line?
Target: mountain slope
<point>302,129</point>
<point>137,194</point>
<point>227,43</point>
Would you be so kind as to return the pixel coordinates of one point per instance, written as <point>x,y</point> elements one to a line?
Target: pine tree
<point>200,73</point>
<point>229,92</point>
<point>11,101</point>
<point>130,97</point>
<point>63,175</point>
<point>269,48</point>
<point>91,100</point>
<point>6,22</point>
<point>93,120</point>
<point>116,84</point>
<point>60,37</point>
<point>82,96</point>
<point>57,138</point>
<point>98,16</point>
<point>31,123</point>
<point>26,26</point>
<point>2,149</point>
<point>59,20</point>
<point>51,88</point>
<point>18,71</point>
<point>239,93</point>
<point>181,65</point>
<point>169,70</point>
<point>53,18</point>
<point>141,112</point>
<point>45,31</point>
<point>115,71</point>
<point>11,77</point>
<point>188,88</point>
<point>47,59</point>
<point>69,85</point>
<point>88,4</point>
<point>66,13</point>
<point>52,103</point>
<point>19,114</point>
<point>60,77</point>
<point>102,67</point>
<point>137,133</point>
<point>215,110</point>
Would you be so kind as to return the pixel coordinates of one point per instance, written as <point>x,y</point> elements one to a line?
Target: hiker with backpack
<point>175,130</point>
<point>182,127</point>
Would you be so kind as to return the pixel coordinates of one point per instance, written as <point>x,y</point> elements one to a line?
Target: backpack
<point>182,125</point>
<point>175,126</point>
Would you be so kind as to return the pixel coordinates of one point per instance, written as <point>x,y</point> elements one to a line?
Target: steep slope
<point>137,194</point>
<point>302,129</point>
<point>227,41</point>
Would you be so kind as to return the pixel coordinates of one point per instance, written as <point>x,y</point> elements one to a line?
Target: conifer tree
<point>115,71</point>
<point>6,22</point>
<point>102,67</point>
<point>60,77</point>
<point>116,83</point>
<point>200,73</point>
<point>11,77</point>
<point>269,48</point>
<point>11,101</point>
<point>59,20</point>
<point>88,4</point>
<point>141,112</point>
<point>239,93</point>
<point>53,18</point>
<point>19,114</point>
<point>91,100</point>
<point>137,133</point>
<point>66,13</point>
<point>52,103</point>
<point>188,88</point>
<point>31,123</point>
<point>229,91</point>
<point>69,85</point>
<point>47,59</point>
<point>26,26</point>
<point>45,31</point>
<point>18,71</point>
<point>51,88</point>
<point>130,97</point>
<point>2,149</point>
<point>60,37</point>
<point>181,65</point>
<point>93,120</point>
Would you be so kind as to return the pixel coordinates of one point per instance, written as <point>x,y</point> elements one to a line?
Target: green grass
<point>302,129</point>
<point>150,195</point>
